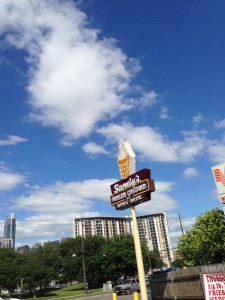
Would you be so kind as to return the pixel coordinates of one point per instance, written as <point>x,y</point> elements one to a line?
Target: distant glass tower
<point>10,228</point>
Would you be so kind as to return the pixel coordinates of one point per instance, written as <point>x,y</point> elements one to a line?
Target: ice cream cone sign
<point>126,159</point>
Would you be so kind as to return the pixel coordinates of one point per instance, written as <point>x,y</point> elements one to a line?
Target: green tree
<point>94,259</point>
<point>178,263</point>
<point>120,257</point>
<point>37,266</point>
<point>70,258</point>
<point>156,259</point>
<point>205,242</point>
<point>9,275</point>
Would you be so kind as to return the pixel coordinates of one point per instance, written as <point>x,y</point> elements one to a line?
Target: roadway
<point>109,297</point>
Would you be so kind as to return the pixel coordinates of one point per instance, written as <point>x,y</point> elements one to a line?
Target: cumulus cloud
<point>59,198</point>
<point>47,227</point>
<point>197,119</point>
<point>8,179</point>
<point>43,226</point>
<point>164,113</point>
<point>176,225</point>
<point>215,151</point>
<point>160,200</point>
<point>93,149</point>
<point>190,173</point>
<point>220,124</point>
<point>77,79</point>
<point>12,140</point>
<point>148,99</point>
<point>53,207</point>
<point>150,144</point>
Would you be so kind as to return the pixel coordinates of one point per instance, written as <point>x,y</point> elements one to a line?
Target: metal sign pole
<point>127,166</point>
<point>140,265</point>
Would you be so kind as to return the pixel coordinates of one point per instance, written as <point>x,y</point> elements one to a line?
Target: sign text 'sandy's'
<point>133,190</point>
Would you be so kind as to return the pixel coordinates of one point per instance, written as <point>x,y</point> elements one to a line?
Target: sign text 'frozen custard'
<point>133,190</point>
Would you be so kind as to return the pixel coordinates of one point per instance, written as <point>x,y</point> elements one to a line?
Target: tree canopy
<point>205,242</point>
<point>105,259</point>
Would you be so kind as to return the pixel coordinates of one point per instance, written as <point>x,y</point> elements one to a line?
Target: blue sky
<point>76,77</point>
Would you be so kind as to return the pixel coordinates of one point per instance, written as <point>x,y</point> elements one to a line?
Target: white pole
<point>140,265</point>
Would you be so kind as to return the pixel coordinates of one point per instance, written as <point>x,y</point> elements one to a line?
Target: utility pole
<point>83,258</point>
<point>181,227</point>
<point>149,258</point>
<point>147,248</point>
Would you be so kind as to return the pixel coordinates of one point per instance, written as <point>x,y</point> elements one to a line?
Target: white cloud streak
<point>190,173</point>
<point>160,200</point>
<point>93,149</point>
<point>197,119</point>
<point>8,179</point>
<point>152,145</point>
<point>148,99</point>
<point>164,113</point>
<point>52,208</point>
<point>176,226</point>
<point>59,198</point>
<point>220,124</point>
<point>12,140</point>
<point>216,151</point>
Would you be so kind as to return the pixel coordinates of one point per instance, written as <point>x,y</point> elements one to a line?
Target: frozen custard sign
<point>133,190</point>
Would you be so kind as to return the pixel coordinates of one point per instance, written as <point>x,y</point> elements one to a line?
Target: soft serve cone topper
<point>126,159</point>
<point>134,187</point>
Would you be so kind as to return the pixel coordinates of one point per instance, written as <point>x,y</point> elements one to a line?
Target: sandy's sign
<point>133,190</point>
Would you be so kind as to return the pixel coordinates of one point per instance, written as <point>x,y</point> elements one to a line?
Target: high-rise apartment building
<point>153,229</point>
<point>6,243</point>
<point>10,228</point>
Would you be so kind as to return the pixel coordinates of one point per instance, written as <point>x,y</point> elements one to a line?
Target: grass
<point>70,292</point>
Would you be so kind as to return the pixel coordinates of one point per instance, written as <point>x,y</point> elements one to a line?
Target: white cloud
<point>59,198</point>
<point>164,113</point>
<point>93,149</point>
<point>160,200</point>
<point>12,140</point>
<point>220,124</point>
<point>148,99</point>
<point>43,226</point>
<point>176,226</point>
<point>4,167</point>
<point>197,119</point>
<point>8,179</point>
<point>76,78</point>
<point>150,144</point>
<point>53,207</point>
<point>216,151</point>
<point>190,173</point>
